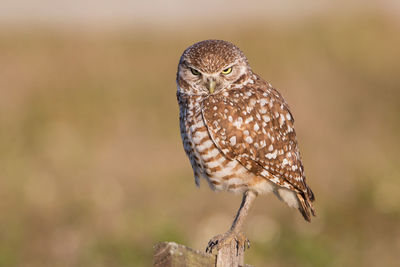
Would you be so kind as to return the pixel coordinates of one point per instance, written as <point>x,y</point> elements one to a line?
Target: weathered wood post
<point>232,255</point>
<point>170,254</point>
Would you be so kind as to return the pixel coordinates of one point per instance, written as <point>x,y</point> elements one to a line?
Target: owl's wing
<point>255,127</point>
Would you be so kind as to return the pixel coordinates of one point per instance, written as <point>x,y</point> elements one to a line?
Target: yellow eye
<point>227,71</point>
<point>195,72</point>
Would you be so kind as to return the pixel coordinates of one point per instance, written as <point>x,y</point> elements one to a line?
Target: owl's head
<point>210,66</point>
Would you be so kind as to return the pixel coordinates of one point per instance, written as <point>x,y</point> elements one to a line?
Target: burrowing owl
<point>237,131</point>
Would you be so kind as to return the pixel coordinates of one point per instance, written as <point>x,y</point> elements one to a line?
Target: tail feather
<point>306,207</point>
<point>310,193</point>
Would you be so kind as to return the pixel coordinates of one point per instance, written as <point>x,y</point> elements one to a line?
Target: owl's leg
<point>234,233</point>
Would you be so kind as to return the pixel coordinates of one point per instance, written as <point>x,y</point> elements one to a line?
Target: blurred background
<point>92,170</point>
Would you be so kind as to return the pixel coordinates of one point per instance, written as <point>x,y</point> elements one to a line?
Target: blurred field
<point>93,172</point>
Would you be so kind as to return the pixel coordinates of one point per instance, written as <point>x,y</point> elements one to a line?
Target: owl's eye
<point>227,71</point>
<point>195,72</point>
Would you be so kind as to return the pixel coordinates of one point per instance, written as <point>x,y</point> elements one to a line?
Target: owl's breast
<point>208,161</point>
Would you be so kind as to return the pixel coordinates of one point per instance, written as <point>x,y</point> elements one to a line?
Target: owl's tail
<point>306,207</point>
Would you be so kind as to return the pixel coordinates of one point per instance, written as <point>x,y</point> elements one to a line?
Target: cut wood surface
<point>171,254</point>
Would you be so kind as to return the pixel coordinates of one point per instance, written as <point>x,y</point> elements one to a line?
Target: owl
<point>238,132</point>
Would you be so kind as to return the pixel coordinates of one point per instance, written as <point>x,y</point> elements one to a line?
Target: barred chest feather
<point>207,160</point>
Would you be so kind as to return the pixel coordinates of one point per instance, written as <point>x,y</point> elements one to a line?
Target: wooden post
<point>170,254</point>
<point>231,255</point>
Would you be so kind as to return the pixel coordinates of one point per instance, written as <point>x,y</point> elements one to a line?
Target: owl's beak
<point>211,85</point>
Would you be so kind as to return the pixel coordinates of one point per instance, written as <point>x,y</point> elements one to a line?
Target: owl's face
<point>211,66</point>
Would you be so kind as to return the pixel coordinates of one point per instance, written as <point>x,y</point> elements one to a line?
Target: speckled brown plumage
<point>237,130</point>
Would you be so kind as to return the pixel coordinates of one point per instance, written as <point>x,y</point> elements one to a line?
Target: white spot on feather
<point>263,102</point>
<point>249,139</point>
<point>266,118</point>
<point>249,119</point>
<point>271,155</point>
<point>281,120</point>
<point>232,140</point>
<point>238,122</point>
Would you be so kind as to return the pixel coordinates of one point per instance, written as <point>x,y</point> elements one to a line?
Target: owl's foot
<point>219,241</point>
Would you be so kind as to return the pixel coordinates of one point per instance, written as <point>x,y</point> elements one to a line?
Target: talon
<point>211,245</point>
<point>246,244</point>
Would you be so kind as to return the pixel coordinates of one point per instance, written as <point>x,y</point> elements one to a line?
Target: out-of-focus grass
<point>93,172</point>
